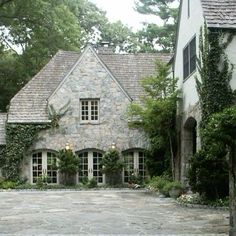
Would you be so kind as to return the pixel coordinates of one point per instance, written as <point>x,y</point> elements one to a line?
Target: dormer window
<point>189,58</point>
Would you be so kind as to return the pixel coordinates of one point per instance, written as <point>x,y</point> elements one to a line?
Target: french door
<point>134,165</point>
<point>44,166</point>
<point>90,166</point>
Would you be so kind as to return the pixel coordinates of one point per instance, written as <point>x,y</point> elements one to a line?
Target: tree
<point>159,36</point>
<point>112,166</point>
<point>221,132</point>
<point>33,31</point>
<point>68,165</point>
<point>156,116</point>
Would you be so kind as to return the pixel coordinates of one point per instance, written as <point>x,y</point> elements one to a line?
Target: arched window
<point>90,165</point>
<point>44,165</point>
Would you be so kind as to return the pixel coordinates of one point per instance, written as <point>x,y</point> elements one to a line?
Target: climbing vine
<point>215,71</point>
<point>209,168</point>
<point>19,137</point>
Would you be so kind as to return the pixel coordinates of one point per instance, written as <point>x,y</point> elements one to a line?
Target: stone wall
<point>90,80</point>
<point>190,120</point>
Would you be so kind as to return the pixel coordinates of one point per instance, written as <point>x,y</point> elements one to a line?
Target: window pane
<point>192,55</point>
<point>89,110</point>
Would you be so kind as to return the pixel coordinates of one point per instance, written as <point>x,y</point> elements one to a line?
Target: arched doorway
<point>189,144</point>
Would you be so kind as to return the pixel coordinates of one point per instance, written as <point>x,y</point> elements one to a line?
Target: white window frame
<point>89,120</point>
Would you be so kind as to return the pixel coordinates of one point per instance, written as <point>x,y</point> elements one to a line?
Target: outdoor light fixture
<point>113,145</point>
<point>67,146</point>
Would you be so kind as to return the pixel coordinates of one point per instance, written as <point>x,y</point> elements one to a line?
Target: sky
<point>123,10</point>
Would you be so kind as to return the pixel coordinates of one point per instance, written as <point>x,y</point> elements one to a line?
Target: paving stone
<point>110,212</point>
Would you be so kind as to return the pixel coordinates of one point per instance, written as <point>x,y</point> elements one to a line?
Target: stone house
<point>93,89</point>
<point>217,14</point>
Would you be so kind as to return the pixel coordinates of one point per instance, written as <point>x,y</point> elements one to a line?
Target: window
<point>44,164</point>
<point>89,111</point>
<point>189,58</point>
<point>134,165</point>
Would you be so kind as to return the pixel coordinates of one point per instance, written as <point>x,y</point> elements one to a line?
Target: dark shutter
<point>186,62</point>
<point>193,55</point>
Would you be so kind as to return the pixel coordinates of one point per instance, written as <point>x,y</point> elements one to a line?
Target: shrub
<point>112,166</point>
<point>68,165</point>
<point>209,176</point>
<point>8,185</point>
<point>173,186</point>
<point>157,183</point>
<point>92,183</point>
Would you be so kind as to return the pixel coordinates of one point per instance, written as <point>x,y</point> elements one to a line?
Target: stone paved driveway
<point>110,212</point>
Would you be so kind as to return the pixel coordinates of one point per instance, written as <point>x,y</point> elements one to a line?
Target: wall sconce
<point>68,146</point>
<point>113,145</point>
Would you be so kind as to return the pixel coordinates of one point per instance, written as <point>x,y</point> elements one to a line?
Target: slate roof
<point>220,13</point>
<point>29,105</point>
<point>3,118</point>
<point>130,69</point>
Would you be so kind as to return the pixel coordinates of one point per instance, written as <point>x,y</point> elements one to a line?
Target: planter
<point>175,192</point>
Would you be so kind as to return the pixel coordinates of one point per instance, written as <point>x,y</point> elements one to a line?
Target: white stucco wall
<point>188,28</point>
<point>231,52</point>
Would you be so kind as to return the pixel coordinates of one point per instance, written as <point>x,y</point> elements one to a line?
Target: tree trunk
<point>232,190</point>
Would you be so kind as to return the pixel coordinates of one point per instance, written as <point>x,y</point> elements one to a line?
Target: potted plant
<point>175,189</point>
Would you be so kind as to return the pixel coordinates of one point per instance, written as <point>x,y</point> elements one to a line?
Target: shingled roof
<point>29,105</point>
<point>3,118</point>
<point>220,13</point>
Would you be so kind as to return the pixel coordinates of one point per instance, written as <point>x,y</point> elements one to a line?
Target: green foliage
<point>156,116</point>
<point>92,183</point>
<point>155,35</point>
<point>8,184</point>
<point>209,176</point>
<point>112,166</point>
<point>209,168</point>
<point>19,138</point>
<point>33,31</point>
<point>201,200</point>
<point>68,165</point>
<point>67,162</point>
<point>111,162</point>
<point>163,184</point>
<point>157,183</point>
<point>2,155</point>
<point>42,181</point>
<point>215,73</point>
<point>55,116</point>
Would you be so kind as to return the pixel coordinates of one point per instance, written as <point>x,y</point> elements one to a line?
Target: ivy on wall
<point>209,168</point>
<point>215,71</point>
<point>19,137</point>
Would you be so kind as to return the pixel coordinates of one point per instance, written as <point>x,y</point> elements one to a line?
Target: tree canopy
<point>33,31</point>
<point>156,116</point>
<point>160,36</point>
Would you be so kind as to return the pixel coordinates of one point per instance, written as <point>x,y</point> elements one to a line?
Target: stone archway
<point>189,145</point>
